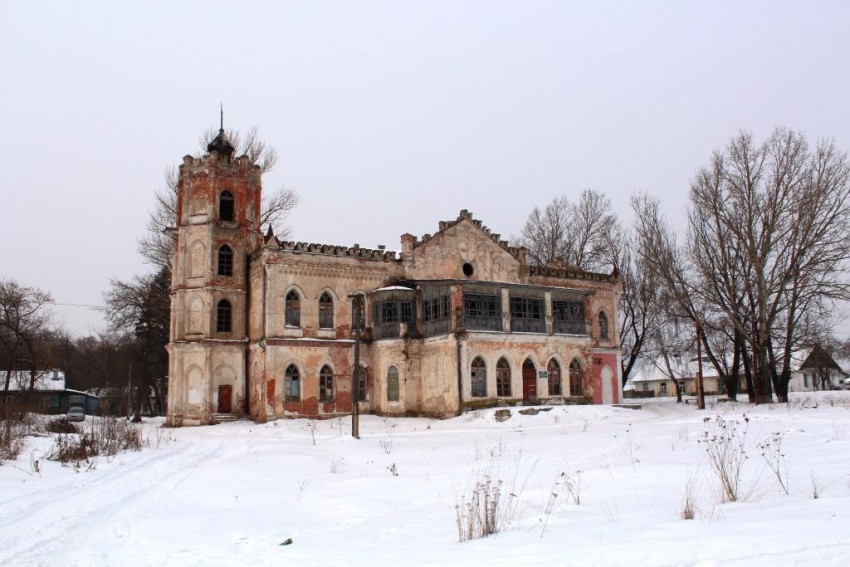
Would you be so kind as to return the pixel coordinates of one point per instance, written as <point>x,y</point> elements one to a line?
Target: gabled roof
<point>819,359</point>
<point>464,214</point>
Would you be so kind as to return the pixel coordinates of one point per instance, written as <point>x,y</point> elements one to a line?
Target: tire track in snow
<point>62,528</point>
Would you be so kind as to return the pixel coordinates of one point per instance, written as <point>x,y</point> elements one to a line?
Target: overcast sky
<point>388,116</point>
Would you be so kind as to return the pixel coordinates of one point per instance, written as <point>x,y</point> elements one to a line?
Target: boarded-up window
<point>554,370</point>
<point>392,384</point>
<point>603,325</point>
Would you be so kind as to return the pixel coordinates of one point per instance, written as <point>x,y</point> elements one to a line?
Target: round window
<point>468,270</point>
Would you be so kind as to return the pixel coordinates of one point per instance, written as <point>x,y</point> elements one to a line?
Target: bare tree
<point>588,236</point>
<point>771,223</point>
<point>679,297</point>
<point>639,310</point>
<point>157,244</point>
<point>140,311</point>
<point>23,318</point>
<point>578,235</point>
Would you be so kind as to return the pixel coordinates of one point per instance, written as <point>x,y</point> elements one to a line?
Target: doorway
<point>225,396</point>
<point>529,381</point>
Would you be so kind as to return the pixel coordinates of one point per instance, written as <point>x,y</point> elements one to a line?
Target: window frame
<point>482,311</point>
<point>226,206</point>
<point>504,388</point>
<point>326,384</point>
<point>568,317</point>
<point>527,313</point>
<point>292,309</point>
<point>576,371</point>
<point>478,380</point>
<point>224,316</point>
<point>326,311</point>
<point>292,375</point>
<point>225,261</point>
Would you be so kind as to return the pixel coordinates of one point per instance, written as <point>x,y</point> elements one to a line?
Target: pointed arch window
<point>554,371</point>
<point>292,384</point>
<point>392,384</point>
<point>603,325</point>
<point>326,384</point>
<point>224,317</point>
<point>226,206</point>
<point>479,378</point>
<point>293,309</point>
<point>225,261</point>
<point>326,311</point>
<point>503,378</point>
<point>576,378</point>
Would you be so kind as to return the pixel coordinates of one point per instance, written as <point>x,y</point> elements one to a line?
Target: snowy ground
<point>230,494</point>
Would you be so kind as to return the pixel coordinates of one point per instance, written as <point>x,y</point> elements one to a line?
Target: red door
<point>529,382</point>
<point>225,394</point>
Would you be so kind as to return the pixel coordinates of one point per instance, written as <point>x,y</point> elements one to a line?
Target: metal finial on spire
<point>220,143</point>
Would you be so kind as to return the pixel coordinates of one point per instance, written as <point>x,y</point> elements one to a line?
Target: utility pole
<point>700,391</point>
<point>130,390</point>
<point>357,321</point>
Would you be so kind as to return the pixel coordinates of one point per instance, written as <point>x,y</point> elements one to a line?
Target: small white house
<point>817,371</point>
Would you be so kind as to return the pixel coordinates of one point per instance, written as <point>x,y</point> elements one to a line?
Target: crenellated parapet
<point>570,273</point>
<point>213,158</point>
<point>380,254</point>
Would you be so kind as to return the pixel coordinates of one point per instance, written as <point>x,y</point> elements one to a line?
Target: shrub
<point>61,425</point>
<point>488,508</point>
<point>724,445</point>
<point>689,506</point>
<point>12,436</point>
<point>771,451</point>
<point>106,436</point>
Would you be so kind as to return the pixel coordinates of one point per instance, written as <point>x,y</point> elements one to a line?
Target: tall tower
<point>218,226</point>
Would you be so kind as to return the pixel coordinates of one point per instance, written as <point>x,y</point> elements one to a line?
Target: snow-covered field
<point>231,494</point>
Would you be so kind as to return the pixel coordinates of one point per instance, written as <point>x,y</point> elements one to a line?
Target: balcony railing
<point>438,327</point>
<point>569,327</point>
<point>395,331</point>
<point>528,325</point>
<point>482,323</point>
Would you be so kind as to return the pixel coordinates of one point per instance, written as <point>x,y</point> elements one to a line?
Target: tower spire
<point>220,143</point>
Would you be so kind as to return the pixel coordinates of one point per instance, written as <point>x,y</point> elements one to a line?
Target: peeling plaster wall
<point>434,372</point>
<point>443,256</point>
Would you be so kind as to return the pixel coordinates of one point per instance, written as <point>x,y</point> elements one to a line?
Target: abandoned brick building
<point>455,320</point>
